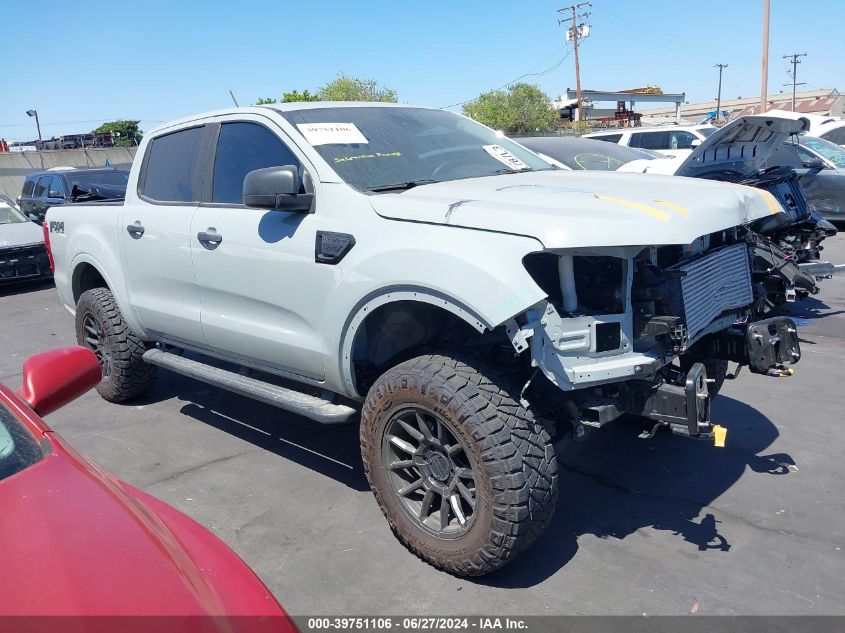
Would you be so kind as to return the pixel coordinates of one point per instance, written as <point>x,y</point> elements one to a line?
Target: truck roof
<point>282,107</point>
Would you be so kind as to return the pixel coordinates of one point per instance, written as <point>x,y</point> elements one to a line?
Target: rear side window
<point>28,186</point>
<point>57,189</point>
<point>610,138</point>
<point>650,140</point>
<point>170,163</point>
<point>41,187</point>
<point>835,136</point>
<point>241,148</point>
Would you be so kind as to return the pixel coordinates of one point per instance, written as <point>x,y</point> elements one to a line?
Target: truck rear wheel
<point>464,474</point>
<point>100,327</point>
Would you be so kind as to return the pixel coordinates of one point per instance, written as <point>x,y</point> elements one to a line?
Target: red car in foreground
<point>78,541</point>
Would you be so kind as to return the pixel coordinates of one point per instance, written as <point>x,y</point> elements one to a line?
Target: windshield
<point>18,449</point>
<point>831,151</point>
<point>85,181</point>
<point>375,148</point>
<point>9,213</point>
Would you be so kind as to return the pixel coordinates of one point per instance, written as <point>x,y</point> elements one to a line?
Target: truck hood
<point>742,146</point>
<point>578,209</point>
<point>20,234</point>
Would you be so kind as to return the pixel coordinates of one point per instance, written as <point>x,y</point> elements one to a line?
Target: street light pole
<point>719,94</point>
<point>37,123</point>
<point>764,88</point>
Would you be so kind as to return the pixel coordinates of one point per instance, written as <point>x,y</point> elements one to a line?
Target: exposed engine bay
<point>637,330</point>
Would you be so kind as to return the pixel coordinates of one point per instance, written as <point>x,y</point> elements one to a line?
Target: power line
<point>513,81</point>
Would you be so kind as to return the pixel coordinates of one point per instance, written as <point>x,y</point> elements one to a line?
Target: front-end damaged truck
<point>475,304</point>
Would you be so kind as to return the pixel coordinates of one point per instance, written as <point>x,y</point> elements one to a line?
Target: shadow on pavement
<point>613,485</point>
<point>23,287</point>
<point>331,450</point>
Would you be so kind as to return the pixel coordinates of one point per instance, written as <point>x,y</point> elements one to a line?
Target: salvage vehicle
<point>78,541</point>
<point>573,152</point>
<point>476,303</point>
<point>751,151</point>
<point>820,166</point>
<point>670,140</point>
<point>42,190</point>
<point>23,256</point>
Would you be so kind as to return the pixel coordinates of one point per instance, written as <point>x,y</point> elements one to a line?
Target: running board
<point>316,408</point>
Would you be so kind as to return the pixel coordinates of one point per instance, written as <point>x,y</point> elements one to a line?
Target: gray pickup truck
<point>475,304</point>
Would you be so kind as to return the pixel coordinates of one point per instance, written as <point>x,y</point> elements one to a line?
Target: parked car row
<point>41,190</point>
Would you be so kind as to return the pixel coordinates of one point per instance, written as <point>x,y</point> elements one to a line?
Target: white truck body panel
<point>259,298</point>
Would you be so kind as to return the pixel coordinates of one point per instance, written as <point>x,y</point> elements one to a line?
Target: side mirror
<point>695,143</point>
<point>52,379</point>
<point>276,188</point>
<point>816,164</point>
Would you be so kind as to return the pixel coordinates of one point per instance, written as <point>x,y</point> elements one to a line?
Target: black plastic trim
<point>327,255</point>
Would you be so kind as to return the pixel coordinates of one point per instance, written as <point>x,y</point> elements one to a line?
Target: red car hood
<point>78,541</point>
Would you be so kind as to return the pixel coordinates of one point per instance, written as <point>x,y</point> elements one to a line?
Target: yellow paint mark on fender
<point>720,434</point>
<point>657,213</point>
<point>771,201</point>
<point>675,207</point>
<point>768,198</point>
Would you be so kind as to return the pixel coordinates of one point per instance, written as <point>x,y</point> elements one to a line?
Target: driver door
<point>262,295</point>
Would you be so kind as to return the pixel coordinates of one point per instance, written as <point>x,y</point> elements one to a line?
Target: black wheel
<point>100,327</point>
<point>463,473</point>
<point>716,369</point>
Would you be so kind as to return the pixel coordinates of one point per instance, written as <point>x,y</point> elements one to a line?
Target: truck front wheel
<point>464,474</point>
<point>100,327</point>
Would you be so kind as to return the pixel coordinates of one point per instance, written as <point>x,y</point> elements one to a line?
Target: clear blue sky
<point>88,61</point>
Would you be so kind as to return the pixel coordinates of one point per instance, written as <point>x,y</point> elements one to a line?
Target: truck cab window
<point>242,148</point>
<point>170,163</point>
<point>57,189</point>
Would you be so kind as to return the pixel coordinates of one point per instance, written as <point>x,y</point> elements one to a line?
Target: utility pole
<point>719,94</point>
<point>795,62</point>
<point>764,89</point>
<point>576,31</point>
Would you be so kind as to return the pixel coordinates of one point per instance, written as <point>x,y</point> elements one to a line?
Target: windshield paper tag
<point>504,156</point>
<point>332,134</point>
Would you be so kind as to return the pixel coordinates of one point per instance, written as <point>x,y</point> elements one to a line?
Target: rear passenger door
<point>156,236</point>
<point>261,292</point>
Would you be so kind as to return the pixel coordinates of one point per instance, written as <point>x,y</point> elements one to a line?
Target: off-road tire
<point>716,368</point>
<point>128,375</point>
<point>516,482</point>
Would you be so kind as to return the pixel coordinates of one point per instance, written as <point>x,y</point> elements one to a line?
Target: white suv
<point>672,140</point>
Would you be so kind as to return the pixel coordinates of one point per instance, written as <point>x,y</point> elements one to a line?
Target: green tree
<point>266,101</point>
<point>523,108</point>
<point>295,95</point>
<point>125,132</point>
<point>345,88</point>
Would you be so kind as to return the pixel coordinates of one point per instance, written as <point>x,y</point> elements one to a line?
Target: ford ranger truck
<point>473,303</point>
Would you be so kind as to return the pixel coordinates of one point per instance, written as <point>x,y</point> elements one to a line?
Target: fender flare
<point>117,290</point>
<point>385,296</point>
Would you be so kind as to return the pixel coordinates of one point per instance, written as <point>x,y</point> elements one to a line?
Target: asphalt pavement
<point>664,526</point>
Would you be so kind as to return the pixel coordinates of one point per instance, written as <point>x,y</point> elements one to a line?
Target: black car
<point>820,166</point>
<point>49,188</point>
<point>585,153</point>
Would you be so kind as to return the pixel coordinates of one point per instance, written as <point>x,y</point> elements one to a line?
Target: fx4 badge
<point>57,227</point>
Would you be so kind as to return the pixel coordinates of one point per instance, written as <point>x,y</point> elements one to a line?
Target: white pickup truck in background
<point>475,303</point>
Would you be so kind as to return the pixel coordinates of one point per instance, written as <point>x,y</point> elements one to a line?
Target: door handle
<point>136,230</point>
<point>210,238</point>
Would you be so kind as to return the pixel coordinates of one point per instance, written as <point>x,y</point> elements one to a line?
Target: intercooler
<point>709,286</point>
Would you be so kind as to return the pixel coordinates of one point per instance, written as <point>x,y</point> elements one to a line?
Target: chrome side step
<point>316,408</point>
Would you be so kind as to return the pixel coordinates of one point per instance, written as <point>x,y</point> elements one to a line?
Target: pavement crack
<point>192,469</point>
